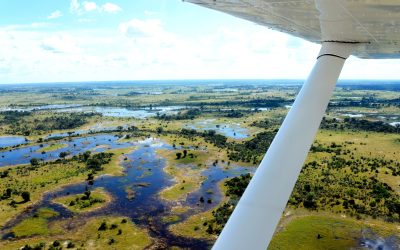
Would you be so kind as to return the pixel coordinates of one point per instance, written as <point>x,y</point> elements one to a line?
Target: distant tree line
<point>266,123</point>
<point>27,123</point>
<point>186,115</point>
<point>358,124</point>
<point>366,102</point>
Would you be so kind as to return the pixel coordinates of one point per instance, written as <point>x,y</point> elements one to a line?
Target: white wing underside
<point>375,23</point>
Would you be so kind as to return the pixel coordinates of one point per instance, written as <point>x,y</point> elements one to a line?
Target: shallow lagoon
<point>125,112</point>
<point>233,130</point>
<point>94,129</point>
<point>97,143</point>
<point>140,113</point>
<point>9,141</point>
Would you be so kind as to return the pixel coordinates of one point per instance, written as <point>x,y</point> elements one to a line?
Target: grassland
<point>186,173</point>
<point>37,181</point>
<point>319,204</point>
<point>36,225</point>
<point>114,167</point>
<point>186,170</point>
<point>194,227</point>
<point>362,146</point>
<point>326,231</point>
<point>117,233</point>
<point>53,147</point>
<point>170,218</point>
<point>89,201</point>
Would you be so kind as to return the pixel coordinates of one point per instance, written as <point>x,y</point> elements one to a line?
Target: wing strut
<point>257,214</point>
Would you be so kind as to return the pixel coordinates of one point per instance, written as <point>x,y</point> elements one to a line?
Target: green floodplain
<point>157,165</point>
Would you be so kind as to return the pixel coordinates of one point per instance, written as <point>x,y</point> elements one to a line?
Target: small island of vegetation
<point>88,201</point>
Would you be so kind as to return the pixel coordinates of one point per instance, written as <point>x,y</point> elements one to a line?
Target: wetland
<point>112,165</point>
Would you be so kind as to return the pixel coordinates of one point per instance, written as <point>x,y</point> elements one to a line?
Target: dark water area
<point>97,143</point>
<point>209,188</point>
<point>145,176</point>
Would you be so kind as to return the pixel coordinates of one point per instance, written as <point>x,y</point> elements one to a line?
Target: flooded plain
<point>75,145</point>
<point>143,169</point>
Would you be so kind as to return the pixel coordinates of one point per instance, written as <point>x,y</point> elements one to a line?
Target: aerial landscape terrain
<point>162,164</point>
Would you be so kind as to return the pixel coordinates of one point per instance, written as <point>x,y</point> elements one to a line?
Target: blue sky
<point>74,40</point>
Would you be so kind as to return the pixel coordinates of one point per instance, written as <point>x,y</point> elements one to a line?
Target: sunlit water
<point>125,112</point>
<point>232,130</point>
<point>24,154</point>
<point>9,141</point>
<point>370,240</point>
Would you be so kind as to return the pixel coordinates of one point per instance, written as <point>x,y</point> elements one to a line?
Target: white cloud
<point>30,26</point>
<point>142,28</point>
<point>60,44</point>
<point>145,49</point>
<point>55,14</point>
<point>75,7</point>
<point>111,8</point>
<point>80,8</point>
<point>89,6</point>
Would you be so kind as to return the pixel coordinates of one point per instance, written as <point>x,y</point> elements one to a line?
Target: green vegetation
<point>350,180</point>
<point>36,225</point>
<point>94,162</point>
<point>46,213</point>
<point>179,210</point>
<point>118,233</point>
<point>88,201</point>
<point>186,172</point>
<point>252,150</point>
<point>40,177</point>
<point>30,123</point>
<point>53,147</point>
<point>325,232</point>
<point>31,226</point>
<point>113,165</point>
<point>196,226</point>
<point>170,219</point>
<point>234,190</point>
<point>349,186</point>
<point>359,125</point>
<point>335,178</point>
<point>187,115</point>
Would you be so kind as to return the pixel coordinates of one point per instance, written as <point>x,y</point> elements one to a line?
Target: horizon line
<point>183,80</point>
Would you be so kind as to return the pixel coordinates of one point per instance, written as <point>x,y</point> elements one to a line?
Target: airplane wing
<point>374,22</point>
